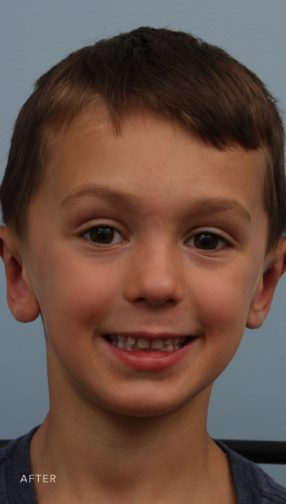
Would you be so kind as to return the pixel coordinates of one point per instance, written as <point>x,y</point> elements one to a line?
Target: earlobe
<point>20,296</point>
<point>265,289</point>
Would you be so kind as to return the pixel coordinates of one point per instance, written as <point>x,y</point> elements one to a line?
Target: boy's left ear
<point>263,295</point>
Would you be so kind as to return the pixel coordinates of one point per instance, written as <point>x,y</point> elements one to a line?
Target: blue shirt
<point>252,485</point>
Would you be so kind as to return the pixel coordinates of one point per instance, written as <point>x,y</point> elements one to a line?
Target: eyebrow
<point>92,192</point>
<point>126,200</point>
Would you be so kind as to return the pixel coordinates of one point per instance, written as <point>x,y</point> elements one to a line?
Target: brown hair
<point>183,78</point>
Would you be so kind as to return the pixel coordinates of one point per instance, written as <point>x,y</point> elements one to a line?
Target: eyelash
<point>205,234</point>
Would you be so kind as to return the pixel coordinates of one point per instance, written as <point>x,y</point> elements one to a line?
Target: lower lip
<point>148,360</point>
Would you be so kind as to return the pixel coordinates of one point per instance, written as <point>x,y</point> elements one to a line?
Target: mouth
<point>133,343</point>
<point>152,352</point>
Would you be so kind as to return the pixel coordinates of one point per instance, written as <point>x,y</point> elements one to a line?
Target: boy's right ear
<point>20,296</point>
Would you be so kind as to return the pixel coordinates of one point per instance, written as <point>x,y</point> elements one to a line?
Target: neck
<point>102,455</point>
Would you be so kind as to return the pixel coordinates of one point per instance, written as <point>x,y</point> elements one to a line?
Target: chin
<point>145,407</point>
<point>145,411</point>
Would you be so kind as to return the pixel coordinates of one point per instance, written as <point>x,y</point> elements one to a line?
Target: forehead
<point>151,155</point>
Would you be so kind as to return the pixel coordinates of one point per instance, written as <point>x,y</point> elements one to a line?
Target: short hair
<point>173,73</point>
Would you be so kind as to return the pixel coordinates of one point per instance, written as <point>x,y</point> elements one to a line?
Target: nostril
<point>156,300</point>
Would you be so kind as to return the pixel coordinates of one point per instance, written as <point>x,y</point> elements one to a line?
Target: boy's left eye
<point>208,241</point>
<point>102,235</point>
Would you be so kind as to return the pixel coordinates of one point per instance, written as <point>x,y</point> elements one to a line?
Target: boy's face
<point>148,232</point>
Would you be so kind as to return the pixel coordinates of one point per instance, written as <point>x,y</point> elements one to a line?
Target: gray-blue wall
<point>249,399</point>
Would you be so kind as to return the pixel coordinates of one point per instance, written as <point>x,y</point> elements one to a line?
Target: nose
<point>155,277</point>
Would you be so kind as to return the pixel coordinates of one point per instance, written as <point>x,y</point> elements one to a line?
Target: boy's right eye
<point>102,235</point>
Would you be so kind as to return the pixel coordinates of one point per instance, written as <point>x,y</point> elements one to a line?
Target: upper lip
<point>151,335</point>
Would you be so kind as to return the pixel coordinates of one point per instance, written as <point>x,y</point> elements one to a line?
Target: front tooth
<point>121,338</point>
<point>143,343</point>
<point>131,341</point>
<point>169,348</point>
<point>157,344</point>
<point>121,344</point>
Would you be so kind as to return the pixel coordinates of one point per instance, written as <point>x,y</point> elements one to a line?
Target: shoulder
<point>14,463</point>
<point>252,484</point>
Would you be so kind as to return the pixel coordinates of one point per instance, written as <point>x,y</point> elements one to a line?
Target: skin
<point>154,276</point>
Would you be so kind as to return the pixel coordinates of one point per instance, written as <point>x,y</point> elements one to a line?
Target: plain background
<point>249,399</point>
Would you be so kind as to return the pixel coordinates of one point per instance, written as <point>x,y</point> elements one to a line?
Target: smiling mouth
<point>142,344</point>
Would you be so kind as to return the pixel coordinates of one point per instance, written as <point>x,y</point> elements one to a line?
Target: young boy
<point>144,211</point>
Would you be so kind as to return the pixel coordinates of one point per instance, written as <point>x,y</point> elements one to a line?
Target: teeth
<point>130,343</point>
<point>143,343</point>
<point>157,344</point>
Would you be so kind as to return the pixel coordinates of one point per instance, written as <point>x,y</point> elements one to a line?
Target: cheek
<point>74,293</point>
<point>224,299</point>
